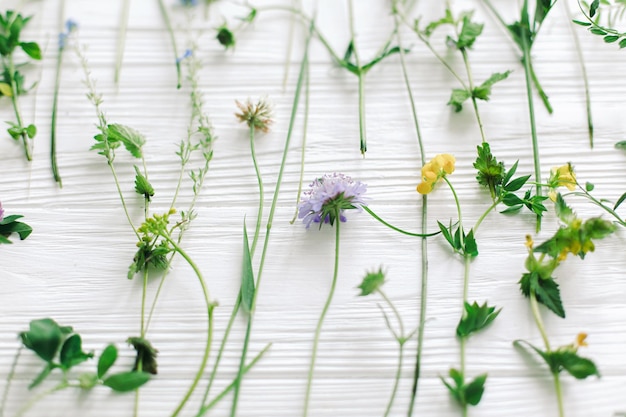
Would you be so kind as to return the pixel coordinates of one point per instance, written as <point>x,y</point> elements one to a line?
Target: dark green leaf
<point>72,352</point>
<point>146,355</point>
<point>31,49</point>
<point>132,140</point>
<point>576,366</point>
<point>548,294</point>
<point>44,338</point>
<point>619,201</point>
<point>247,275</point>
<point>622,144</point>
<point>578,22</point>
<point>42,375</point>
<point>490,171</point>
<point>475,318</point>
<point>457,98</point>
<point>225,37</point>
<point>126,381</point>
<point>142,185</point>
<point>471,248</point>
<point>593,8</point>
<point>475,389</point>
<point>597,31</point>
<point>622,44</point>
<point>106,360</point>
<point>513,209</point>
<point>516,184</point>
<point>511,199</point>
<point>9,225</point>
<point>611,38</point>
<point>510,173</point>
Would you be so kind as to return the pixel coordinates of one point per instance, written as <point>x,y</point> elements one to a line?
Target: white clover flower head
<point>329,197</point>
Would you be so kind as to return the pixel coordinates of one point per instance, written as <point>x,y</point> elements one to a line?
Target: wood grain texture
<point>74,265</point>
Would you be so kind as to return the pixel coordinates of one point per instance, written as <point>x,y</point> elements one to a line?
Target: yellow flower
<point>562,176</point>
<point>529,242</point>
<point>581,340</point>
<point>440,166</point>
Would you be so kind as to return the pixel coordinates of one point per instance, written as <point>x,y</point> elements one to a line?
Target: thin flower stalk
<point>121,39</point>
<point>170,30</point>
<point>270,218</point>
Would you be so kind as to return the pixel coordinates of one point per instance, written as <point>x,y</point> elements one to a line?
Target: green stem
<point>531,110</point>
<point>5,392</point>
<point>458,205</point>
<point>170,30</point>
<point>424,226</point>
<point>119,192</point>
<point>394,310</point>
<point>121,40</point>
<point>397,229</point>
<point>484,215</point>
<point>270,219</point>
<point>220,352</point>
<point>226,390</point>
<point>598,203</point>
<point>55,101</point>
<point>583,70</point>
<point>534,307</point>
<point>471,87</point>
<point>559,393</point>
<point>259,216</point>
<point>360,76</point>
<point>396,383</point>
<point>290,37</point>
<point>16,109</point>
<point>40,397</point>
<point>210,305</point>
<point>320,322</point>
<point>305,125</point>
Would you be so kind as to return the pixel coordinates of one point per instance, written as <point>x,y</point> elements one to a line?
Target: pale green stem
<point>559,393</point>
<point>290,37</point>
<point>170,30</point>
<point>5,393</point>
<point>484,215</point>
<point>394,310</point>
<point>210,305</point>
<point>531,110</point>
<point>259,216</point>
<point>458,205</point>
<point>474,102</point>
<point>396,383</point>
<point>583,70</point>
<point>123,201</point>
<point>270,219</point>
<point>121,39</point>
<point>598,203</point>
<point>16,108</point>
<point>226,390</point>
<point>397,229</point>
<point>305,124</point>
<point>40,397</point>
<point>320,322</point>
<point>55,101</point>
<point>360,76</point>
<point>142,331</point>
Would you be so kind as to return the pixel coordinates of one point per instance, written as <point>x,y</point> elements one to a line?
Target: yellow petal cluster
<point>440,166</point>
<point>581,340</point>
<point>562,176</point>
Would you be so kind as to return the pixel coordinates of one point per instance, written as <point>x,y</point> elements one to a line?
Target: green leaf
<point>142,186</point>
<point>490,171</point>
<point>611,38</point>
<point>548,294</point>
<point>72,352</point>
<point>475,389</point>
<point>430,28</point>
<point>31,131</point>
<point>247,274</point>
<point>44,337</point>
<point>457,98</point>
<point>593,8</point>
<point>446,233</point>
<point>597,228</point>
<point>597,31</point>
<point>541,10</point>
<point>471,248</point>
<point>386,52</point>
<point>106,360</point>
<point>621,145</point>
<point>563,211</point>
<point>516,184</point>
<point>589,186</point>
<point>469,32</point>
<point>9,225</point>
<point>475,318</point>
<point>126,381</point>
<point>31,49</point>
<point>483,91</point>
<point>42,375</point>
<point>576,366</point>
<point>146,355</point>
<point>619,201</point>
<point>132,140</point>
<point>225,37</point>
<point>578,22</point>
<point>511,199</point>
<point>372,282</point>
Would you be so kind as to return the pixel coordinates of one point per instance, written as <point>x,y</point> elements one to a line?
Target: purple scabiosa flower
<point>328,198</point>
<point>1,212</point>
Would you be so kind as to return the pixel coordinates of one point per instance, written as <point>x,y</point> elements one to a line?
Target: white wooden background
<point>73,267</point>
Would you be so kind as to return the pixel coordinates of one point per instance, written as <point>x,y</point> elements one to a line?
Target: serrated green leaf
<point>471,248</point>
<point>457,98</point>
<point>126,381</point>
<point>475,389</point>
<point>372,282</point>
<point>548,294</point>
<point>247,275</point>
<point>142,185</point>
<point>132,140</point>
<point>106,360</point>
<point>31,49</point>
<point>490,171</point>
<point>483,91</point>
<point>475,318</point>
<point>469,32</point>
<point>563,211</point>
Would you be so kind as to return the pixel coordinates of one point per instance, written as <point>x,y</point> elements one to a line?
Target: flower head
<point>440,166</point>
<point>188,54</point>
<point>328,198</point>
<point>1,212</point>
<point>225,37</point>
<point>581,340</point>
<point>562,176</point>
<point>257,115</point>
<point>70,26</point>
<point>372,282</point>
<point>189,2</point>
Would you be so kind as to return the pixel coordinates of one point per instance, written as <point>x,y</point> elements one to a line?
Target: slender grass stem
<point>257,171</point>
<point>361,78</point>
<point>28,151</point>
<point>473,98</point>
<point>397,229</point>
<point>170,30</point>
<point>55,102</point>
<point>270,219</point>
<point>583,70</point>
<point>230,387</point>
<point>396,382</point>
<point>305,125</point>
<point>210,305</point>
<point>320,322</point>
<point>121,39</point>
<point>5,392</point>
<point>531,111</point>
<point>290,37</point>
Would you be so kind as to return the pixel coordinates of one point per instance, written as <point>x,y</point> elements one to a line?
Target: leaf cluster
<point>608,34</point>
<point>61,348</point>
<point>115,135</point>
<point>465,393</point>
<point>11,25</point>
<point>525,30</point>
<point>566,359</point>
<point>545,289</point>
<point>461,243</point>
<point>347,61</point>
<point>481,92</point>
<point>475,318</point>
<point>10,225</point>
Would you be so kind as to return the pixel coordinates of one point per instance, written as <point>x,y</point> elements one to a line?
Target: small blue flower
<point>70,26</point>
<point>329,197</point>
<point>188,54</point>
<point>189,2</point>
